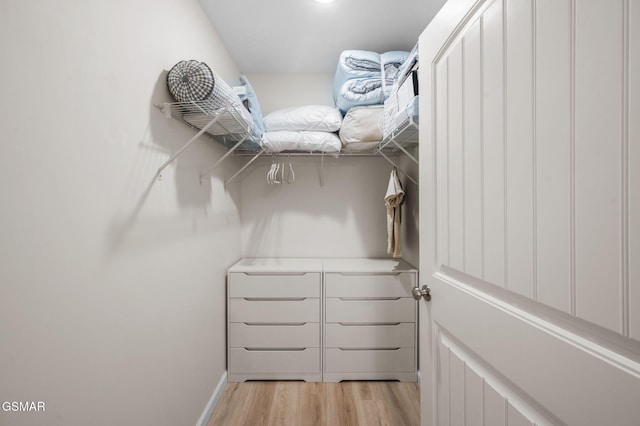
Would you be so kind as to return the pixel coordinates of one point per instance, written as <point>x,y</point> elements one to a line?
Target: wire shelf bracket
<point>403,137</point>
<point>187,145</point>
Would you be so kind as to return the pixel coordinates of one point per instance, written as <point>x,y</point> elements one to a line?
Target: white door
<point>530,213</point>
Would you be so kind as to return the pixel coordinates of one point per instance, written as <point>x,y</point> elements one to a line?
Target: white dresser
<point>321,320</point>
<point>273,318</point>
<point>370,321</point>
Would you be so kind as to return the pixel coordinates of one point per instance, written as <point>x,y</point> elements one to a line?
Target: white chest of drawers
<point>370,321</point>
<point>321,320</point>
<point>273,311</point>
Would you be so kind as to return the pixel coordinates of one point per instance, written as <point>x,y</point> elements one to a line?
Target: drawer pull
<point>274,299</point>
<point>352,299</point>
<point>370,349</point>
<point>366,324</point>
<point>275,274</point>
<point>274,349</point>
<point>367,274</point>
<point>277,324</point>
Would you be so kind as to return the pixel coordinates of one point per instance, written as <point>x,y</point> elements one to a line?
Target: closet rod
<point>398,168</point>
<point>308,154</point>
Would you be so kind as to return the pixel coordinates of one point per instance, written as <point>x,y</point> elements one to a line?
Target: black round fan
<point>190,81</point>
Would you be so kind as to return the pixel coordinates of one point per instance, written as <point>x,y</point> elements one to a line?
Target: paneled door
<point>530,213</point>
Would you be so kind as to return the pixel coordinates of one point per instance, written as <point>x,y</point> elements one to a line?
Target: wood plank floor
<point>335,404</point>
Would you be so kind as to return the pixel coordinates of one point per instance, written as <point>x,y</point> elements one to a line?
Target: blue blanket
<point>359,78</point>
<point>359,92</point>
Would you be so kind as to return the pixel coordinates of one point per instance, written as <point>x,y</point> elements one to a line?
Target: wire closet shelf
<point>224,123</point>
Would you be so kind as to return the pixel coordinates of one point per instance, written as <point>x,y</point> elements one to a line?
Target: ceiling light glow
<point>324,1</point>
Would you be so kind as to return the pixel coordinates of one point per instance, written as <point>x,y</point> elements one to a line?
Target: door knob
<point>425,292</point>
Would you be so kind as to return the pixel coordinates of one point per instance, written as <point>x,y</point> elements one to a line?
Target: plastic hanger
<point>291,176</point>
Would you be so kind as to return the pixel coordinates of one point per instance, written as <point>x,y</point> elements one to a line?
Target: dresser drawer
<point>369,285</point>
<point>243,335</point>
<point>243,361</point>
<point>274,311</point>
<point>369,336</point>
<point>370,311</point>
<point>281,285</point>
<point>369,361</point>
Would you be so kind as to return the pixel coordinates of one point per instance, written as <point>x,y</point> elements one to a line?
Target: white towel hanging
<point>393,200</point>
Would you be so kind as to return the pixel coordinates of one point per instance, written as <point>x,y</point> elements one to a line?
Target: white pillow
<point>285,140</point>
<point>320,118</point>
<point>362,124</point>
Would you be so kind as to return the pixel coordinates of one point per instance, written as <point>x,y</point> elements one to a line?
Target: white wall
<point>344,217</point>
<point>112,291</point>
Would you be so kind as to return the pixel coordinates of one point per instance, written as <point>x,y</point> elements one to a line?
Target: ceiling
<point>304,36</point>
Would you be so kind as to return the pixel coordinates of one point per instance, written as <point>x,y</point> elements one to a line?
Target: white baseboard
<point>213,401</point>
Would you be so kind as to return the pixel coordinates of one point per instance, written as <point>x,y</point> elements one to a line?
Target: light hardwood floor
<point>333,404</point>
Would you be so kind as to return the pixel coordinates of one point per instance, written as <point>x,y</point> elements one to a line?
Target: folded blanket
<point>391,62</point>
<point>359,92</point>
<point>357,64</point>
<point>372,72</point>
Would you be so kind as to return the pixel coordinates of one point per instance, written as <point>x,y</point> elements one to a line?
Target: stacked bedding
<point>360,128</point>
<point>306,128</point>
<point>401,106</point>
<point>365,78</point>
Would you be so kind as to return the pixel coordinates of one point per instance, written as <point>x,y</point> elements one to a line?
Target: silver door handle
<point>425,292</point>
